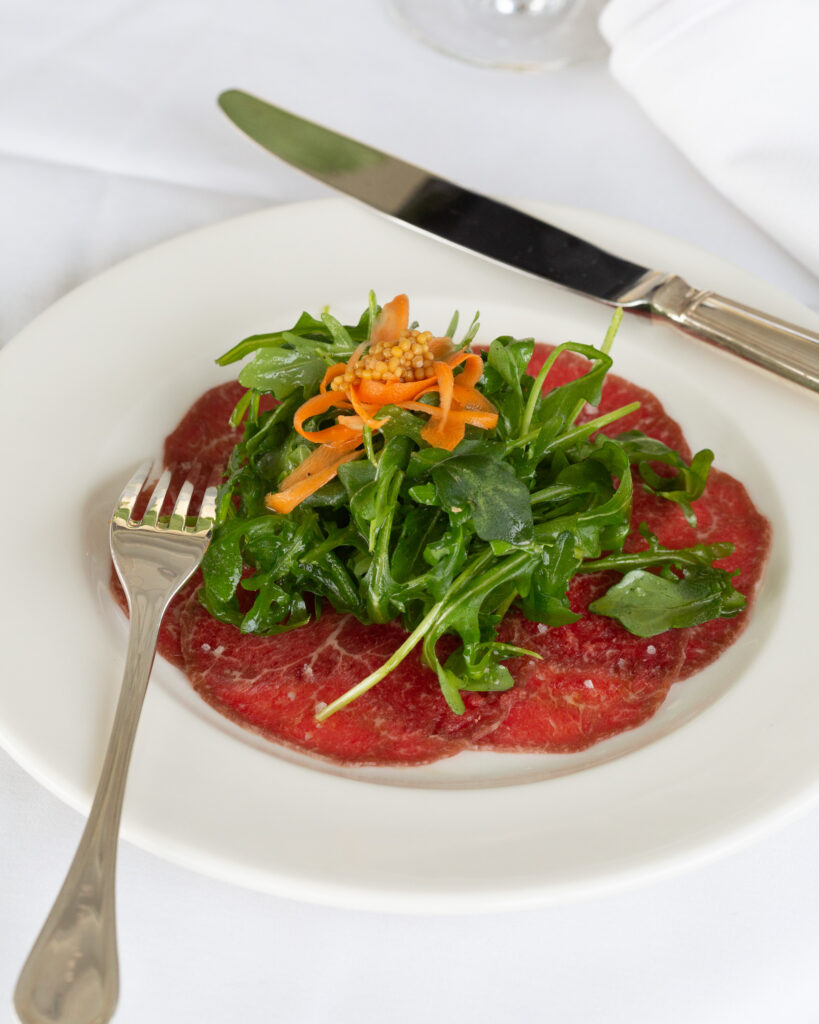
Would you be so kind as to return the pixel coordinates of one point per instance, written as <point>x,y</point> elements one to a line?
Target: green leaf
<point>471,331</point>
<point>449,684</point>
<point>648,605</point>
<point>281,371</point>
<point>497,500</point>
<point>460,612</point>
<point>552,413</point>
<point>424,494</point>
<point>328,339</point>
<point>304,326</point>
<point>355,475</point>
<point>600,526</point>
<point>656,556</point>
<point>401,422</point>
<point>507,360</point>
<point>502,362</point>
<point>544,598</point>
<point>222,564</point>
<point>446,556</point>
<point>330,577</point>
<point>682,487</point>
<point>338,332</point>
<point>420,527</point>
<point>477,667</point>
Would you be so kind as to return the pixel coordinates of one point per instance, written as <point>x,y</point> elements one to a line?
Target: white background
<point>109,142</point>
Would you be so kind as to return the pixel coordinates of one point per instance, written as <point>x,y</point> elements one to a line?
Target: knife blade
<point>489,228</point>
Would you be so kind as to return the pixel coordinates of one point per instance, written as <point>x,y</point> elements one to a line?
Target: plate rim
<point>348,894</point>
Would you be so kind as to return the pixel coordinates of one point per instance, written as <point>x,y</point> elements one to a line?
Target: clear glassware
<point>524,35</point>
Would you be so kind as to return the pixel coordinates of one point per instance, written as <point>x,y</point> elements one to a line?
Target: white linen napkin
<point>735,85</point>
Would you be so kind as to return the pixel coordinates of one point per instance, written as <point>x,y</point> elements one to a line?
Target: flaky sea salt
<point>588,684</point>
<point>651,649</point>
<point>206,648</point>
<point>307,671</point>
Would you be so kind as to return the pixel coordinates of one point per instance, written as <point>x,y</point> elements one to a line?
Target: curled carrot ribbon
<point>361,387</point>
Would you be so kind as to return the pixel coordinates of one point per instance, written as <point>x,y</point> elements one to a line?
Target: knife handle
<point>779,346</point>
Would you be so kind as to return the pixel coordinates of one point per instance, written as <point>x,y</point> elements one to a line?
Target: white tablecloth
<point>109,142</point>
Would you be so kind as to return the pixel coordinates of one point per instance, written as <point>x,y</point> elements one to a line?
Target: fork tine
<point>207,513</point>
<point>180,509</point>
<point>157,498</point>
<point>131,491</point>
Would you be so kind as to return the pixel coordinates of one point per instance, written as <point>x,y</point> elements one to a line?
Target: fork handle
<point>72,973</point>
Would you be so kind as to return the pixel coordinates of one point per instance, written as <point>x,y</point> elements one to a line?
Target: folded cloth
<point>735,85</point>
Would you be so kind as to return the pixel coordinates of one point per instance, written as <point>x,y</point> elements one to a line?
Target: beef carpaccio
<point>594,679</point>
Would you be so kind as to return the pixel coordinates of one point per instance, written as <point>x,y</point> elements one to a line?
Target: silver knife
<point>498,232</point>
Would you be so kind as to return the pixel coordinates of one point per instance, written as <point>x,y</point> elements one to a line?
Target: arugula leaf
<point>421,526</point>
<point>478,668</point>
<point>401,422</point>
<point>306,326</point>
<point>280,371</point>
<point>459,612</point>
<point>684,486</point>
<point>498,502</point>
<point>696,555</point>
<point>355,475</point>
<point>222,564</point>
<point>556,410</point>
<point>506,382</point>
<point>647,604</point>
<point>603,526</point>
<point>543,596</point>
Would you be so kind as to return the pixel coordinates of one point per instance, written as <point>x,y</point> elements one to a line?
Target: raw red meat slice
<point>204,433</point>
<point>595,680</point>
<point>275,685</point>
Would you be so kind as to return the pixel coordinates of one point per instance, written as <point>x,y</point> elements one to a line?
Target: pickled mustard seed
<point>402,360</point>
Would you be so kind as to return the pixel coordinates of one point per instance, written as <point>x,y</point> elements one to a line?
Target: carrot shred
<point>377,393</point>
<point>318,459</point>
<point>313,407</point>
<point>357,423</point>
<point>284,501</point>
<point>393,318</point>
<point>473,371</point>
<point>459,404</point>
<point>444,433</point>
<point>365,412</point>
<point>446,385</point>
<point>336,370</point>
<point>440,347</point>
<point>474,417</point>
<point>470,398</point>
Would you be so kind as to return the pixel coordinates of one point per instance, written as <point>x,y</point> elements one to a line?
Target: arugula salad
<point>401,475</point>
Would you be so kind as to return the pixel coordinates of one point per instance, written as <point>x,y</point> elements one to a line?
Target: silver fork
<point>72,973</point>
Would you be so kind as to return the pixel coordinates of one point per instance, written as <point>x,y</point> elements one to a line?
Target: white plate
<point>98,380</point>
